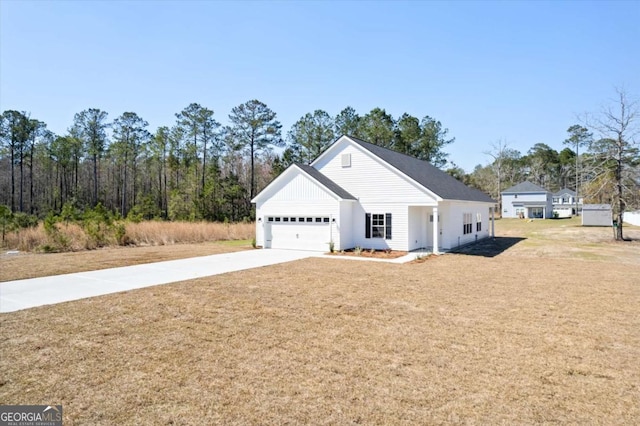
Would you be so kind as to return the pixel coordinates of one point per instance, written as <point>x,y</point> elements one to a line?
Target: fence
<point>632,218</point>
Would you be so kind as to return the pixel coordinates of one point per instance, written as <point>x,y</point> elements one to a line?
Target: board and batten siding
<point>369,178</point>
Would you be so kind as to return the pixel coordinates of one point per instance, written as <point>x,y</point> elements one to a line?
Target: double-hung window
<point>378,225</point>
<point>467,226</point>
<point>478,222</point>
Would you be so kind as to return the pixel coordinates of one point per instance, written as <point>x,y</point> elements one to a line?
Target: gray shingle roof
<point>427,175</point>
<point>326,182</point>
<point>596,207</point>
<point>525,186</point>
<point>565,191</point>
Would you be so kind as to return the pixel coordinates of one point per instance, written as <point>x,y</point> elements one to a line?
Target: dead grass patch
<point>32,265</point>
<point>524,337</point>
<point>459,339</point>
<point>72,237</point>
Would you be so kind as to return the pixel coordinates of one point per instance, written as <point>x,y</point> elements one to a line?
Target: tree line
<point>199,169</point>
<point>194,169</point>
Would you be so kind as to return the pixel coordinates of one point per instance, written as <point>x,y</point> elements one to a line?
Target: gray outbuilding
<point>596,215</point>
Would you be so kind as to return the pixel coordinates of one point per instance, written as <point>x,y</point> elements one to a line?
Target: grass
<point>520,338</point>
<point>72,237</point>
<point>32,265</point>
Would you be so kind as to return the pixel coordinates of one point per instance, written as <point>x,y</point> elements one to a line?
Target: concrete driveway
<point>24,294</point>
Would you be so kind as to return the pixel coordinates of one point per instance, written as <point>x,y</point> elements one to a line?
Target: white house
<point>359,194</point>
<point>527,200</point>
<point>564,203</point>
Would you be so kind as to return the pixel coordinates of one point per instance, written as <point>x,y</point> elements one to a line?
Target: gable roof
<point>432,178</point>
<point>326,182</point>
<point>525,186</point>
<point>565,191</point>
<point>314,175</point>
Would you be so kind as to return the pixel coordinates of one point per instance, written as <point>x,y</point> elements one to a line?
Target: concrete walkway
<point>24,294</point>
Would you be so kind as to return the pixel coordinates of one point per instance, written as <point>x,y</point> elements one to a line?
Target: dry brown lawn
<point>520,338</point>
<point>32,265</point>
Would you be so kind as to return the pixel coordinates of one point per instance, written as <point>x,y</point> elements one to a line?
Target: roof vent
<point>346,160</point>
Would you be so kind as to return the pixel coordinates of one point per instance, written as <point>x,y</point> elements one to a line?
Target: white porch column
<point>493,221</point>
<point>436,230</point>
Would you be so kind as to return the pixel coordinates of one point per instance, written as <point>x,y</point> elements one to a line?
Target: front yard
<point>525,336</point>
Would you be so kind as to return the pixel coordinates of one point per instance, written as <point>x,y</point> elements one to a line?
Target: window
<point>377,225</point>
<point>301,219</point>
<point>466,223</point>
<point>478,222</point>
<point>309,219</point>
<point>325,219</point>
<point>293,219</point>
<point>270,219</point>
<point>285,219</point>
<point>277,219</point>
<point>318,219</point>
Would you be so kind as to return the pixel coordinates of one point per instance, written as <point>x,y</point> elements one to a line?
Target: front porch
<point>430,226</point>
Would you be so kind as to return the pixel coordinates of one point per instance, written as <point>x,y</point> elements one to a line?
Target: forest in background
<point>199,169</point>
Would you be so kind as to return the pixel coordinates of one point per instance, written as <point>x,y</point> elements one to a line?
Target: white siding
<point>508,201</point>
<point>452,212</point>
<point>298,196</point>
<point>399,226</point>
<point>418,227</point>
<point>344,226</point>
<point>370,179</point>
<point>299,188</point>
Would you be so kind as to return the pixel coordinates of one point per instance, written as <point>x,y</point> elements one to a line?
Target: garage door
<point>298,233</point>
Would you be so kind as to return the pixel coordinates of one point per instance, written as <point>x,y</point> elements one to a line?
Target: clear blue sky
<point>514,71</point>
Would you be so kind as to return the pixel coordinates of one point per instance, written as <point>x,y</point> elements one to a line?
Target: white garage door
<point>298,233</point>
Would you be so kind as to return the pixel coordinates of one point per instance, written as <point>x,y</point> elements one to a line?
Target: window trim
<point>467,223</point>
<point>377,221</point>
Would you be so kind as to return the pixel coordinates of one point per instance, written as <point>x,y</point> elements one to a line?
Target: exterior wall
<point>453,231</point>
<point>508,200</point>
<point>597,217</point>
<point>299,196</point>
<point>418,218</point>
<point>344,226</point>
<point>370,179</point>
<point>330,208</point>
<point>379,190</point>
<point>399,226</point>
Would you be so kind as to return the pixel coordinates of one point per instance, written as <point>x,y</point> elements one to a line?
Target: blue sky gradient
<point>515,71</point>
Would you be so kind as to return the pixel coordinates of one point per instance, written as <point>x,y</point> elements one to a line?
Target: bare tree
<point>616,153</point>
<point>497,152</point>
<point>578,136</point>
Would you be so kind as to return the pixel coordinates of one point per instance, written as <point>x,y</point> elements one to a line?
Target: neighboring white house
<point>527,200</point>
<point>564,203</point>
<point>359,194</point>
<point>596,215</point>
